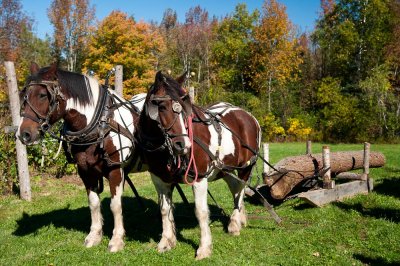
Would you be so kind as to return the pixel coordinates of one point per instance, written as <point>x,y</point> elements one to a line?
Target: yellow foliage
<point>297,129</point>
<point>271,127</point>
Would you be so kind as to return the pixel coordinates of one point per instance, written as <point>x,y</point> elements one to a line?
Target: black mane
<point>73,85</point>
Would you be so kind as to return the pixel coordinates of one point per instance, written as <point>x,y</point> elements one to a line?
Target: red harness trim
<point>192,160</point>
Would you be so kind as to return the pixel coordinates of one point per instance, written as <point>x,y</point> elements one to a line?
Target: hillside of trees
<point>339,83</point>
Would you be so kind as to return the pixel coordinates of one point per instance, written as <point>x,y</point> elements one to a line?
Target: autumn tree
<point>275,57</point>
<point>193,43</point>
<point>119,40</point>
<point>169,30</point>
<point>13,21</point>
<point>72,21</point>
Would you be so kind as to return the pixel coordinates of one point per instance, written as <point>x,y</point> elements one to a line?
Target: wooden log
<point>295,169</point>
<point>22,158</point>
<point>348,176</point>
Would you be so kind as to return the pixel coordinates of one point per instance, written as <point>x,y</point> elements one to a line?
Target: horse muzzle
<point>181,145</point>
<point>28,137</point>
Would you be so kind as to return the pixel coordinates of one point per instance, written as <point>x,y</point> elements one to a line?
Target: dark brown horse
<point>99,128</point>
<point>186,143</point>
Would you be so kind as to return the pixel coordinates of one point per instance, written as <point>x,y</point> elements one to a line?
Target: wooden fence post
<point>308,147</point>
<point>119,74</point>
<point>22,158</point>
<point>365,173</point>
<point>191,94</point>
<point>266,167</point>
<point>326,161</point>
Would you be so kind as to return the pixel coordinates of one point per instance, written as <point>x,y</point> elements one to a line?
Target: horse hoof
<point>203,253</point>
<point>165,245</point>
<point>92,240</point>
<point>115,247</point>
<point>234,228</point>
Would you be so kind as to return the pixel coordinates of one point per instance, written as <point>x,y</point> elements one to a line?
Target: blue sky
<point>302,12</point>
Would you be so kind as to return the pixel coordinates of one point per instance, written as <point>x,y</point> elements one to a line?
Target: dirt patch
<point>72,179</point>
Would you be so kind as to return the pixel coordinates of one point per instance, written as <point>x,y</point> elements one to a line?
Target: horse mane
<point>74,85</point>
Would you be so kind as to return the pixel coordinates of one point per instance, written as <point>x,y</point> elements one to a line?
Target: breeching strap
<point>192,160</point>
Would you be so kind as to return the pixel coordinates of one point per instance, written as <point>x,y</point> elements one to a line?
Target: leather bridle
<point>54,90</point>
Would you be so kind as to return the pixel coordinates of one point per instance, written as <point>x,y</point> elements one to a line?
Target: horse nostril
<point>179,145</point>
<point>26,136</point>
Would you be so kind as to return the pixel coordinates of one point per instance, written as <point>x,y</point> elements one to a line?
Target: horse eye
<point>42,95</point>
<point>162,107</point>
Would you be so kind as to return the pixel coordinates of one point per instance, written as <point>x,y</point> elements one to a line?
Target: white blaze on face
<point>21,119</point>
<point>124,118</point>
<point>185,133</point>
<point>88,109</point>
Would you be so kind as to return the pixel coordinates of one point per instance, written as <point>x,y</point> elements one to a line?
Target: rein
<point>192,160</point>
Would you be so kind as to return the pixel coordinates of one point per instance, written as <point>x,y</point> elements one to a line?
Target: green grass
<point>51,229</point>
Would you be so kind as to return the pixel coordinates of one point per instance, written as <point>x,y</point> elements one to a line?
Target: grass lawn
<point>364,230</point>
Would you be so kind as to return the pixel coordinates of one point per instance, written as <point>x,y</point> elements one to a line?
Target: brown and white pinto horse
<point>184,143</point>
<point>89,111</point>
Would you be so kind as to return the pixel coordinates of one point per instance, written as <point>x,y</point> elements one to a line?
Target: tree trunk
<point>295,169</point>
<point>22,158</point>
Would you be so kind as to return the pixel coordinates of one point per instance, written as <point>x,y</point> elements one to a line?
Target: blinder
<point>53,90</point>
<point>152,106</point>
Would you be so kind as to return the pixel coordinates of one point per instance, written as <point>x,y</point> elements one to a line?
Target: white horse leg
<point>238,217</point>
<point>168,238</point>
<point>96,231</point>
<point>202,214</point>
<point>117,241</point>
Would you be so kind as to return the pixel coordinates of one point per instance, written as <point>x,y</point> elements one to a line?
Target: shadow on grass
<point>140,225</point>
<point>374,261</point>
<point>389,187</point>
<point>378,213</point>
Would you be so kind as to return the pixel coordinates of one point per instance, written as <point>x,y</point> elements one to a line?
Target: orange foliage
<point>275,51</point>
<point>119,40</point>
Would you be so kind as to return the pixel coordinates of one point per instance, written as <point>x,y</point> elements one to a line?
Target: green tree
<point>380,105</point>
<point>338,113</point>
<point>351,35</point>
<point>231,48</point>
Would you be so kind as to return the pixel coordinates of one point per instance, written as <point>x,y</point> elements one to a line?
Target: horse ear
<point>159,76</point>
<point>34,68</point>
<point>182,78</point>
<point>52,72</point>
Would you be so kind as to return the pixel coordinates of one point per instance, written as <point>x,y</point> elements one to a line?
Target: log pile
<point>296,169</point>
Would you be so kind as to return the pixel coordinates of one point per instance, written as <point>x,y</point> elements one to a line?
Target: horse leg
<point>168,238</point>
<point>96,227</point>
<point>238,217</point>
<point>116,179</point>
<point>202,214</point>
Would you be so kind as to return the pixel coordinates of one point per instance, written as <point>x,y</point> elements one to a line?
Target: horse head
<point>40,103</point>
<point>169,105</point>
